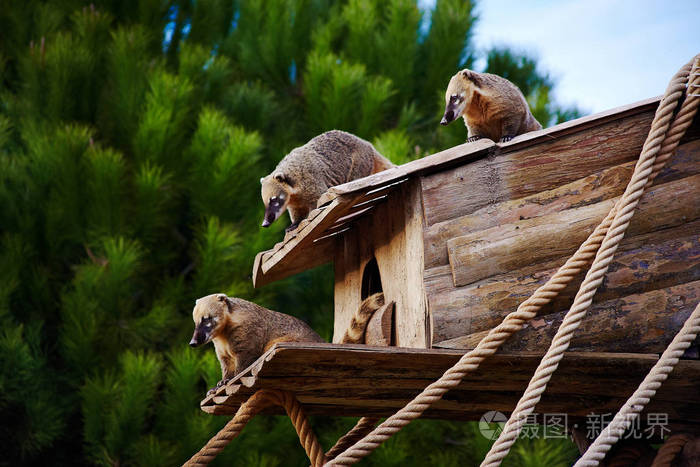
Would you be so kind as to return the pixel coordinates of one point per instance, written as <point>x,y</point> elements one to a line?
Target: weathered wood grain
<point>463,190</point>
<point>380,327</point>
<point>504,248</point>
<point>643,263</point>
<point>362,380</point>
<point>647,322</point>
<point>592,189</point>
<point>393,236</point>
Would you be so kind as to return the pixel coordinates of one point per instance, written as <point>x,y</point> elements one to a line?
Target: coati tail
<point>355,334</point>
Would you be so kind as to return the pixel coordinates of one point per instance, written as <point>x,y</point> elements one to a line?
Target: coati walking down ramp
<point>332,158</point>
<point>492,107</point>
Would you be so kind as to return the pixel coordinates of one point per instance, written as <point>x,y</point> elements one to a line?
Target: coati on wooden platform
<point>492,107</point>
<point>242,331</point>
<point>332,158</point>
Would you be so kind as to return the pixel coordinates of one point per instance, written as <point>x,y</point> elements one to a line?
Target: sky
<point>602,53</point>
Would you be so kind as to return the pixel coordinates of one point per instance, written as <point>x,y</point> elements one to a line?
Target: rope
<point>528,309</point>
<point>641,397</point>
<point>261,400</point>
<point>670,449</point>
<point>359,431</point>
<point>594,277</point>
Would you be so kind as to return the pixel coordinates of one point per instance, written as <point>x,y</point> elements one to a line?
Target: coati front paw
<point>218,385</point>
<point>292,226</point>
<point>506,138</point>
<point>471,139</point>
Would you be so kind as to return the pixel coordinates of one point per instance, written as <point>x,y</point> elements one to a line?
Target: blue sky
<point>602,53</point>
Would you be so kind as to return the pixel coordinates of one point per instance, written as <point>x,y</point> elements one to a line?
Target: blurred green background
<point>132,138</point>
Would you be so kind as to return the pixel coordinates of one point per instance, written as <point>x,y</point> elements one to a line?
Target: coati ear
<point>282,178</point>
<point>230,304</point>
<point>221,297</point>
<point>473,77</point>
<point>262,180</point>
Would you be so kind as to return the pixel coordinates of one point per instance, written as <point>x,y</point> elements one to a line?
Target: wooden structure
<point>458,239</point>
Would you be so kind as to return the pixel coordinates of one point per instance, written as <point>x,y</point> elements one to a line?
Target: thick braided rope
<point>670,449</point>
<point>486,347</point>
<point>625,210</point>
<point>359,431</point>
<point>259,401</point>
<point>641,397</point>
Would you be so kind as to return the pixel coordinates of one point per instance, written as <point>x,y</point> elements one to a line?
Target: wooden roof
<point>312,243</point>
<point>358,380</point>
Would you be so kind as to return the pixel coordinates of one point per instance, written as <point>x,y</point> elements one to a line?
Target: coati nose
<point>266,223</point>
<point>447,118</point>
<point>193,343</point>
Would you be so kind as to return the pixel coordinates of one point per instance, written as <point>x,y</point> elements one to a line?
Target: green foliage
<point>132,138</point>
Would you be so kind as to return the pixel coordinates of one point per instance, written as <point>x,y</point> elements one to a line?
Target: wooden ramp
<point>358,380</point>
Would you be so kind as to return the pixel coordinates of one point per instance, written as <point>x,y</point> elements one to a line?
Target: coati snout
<point>207,314</point>
<point>276,190</point>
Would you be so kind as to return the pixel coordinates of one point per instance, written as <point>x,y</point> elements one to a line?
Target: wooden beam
<point>532,169</point>
<point>642,263</point>
<point>361,380</point>
<point>504,248</point>
<point>641,322</point>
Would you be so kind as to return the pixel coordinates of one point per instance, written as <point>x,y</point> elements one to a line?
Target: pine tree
<point>132,137</point>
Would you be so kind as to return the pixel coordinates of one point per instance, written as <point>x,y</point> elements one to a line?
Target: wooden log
<point>594,188</point>
<point>533,169</point>
<point>501,249</point>
<point>643,263</point>
<point>643,322</point>
<point>380,327</point>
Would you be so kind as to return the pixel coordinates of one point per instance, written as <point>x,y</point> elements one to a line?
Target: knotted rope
<point>657,150</point>
<point>259,401</point>
<point>642,176</point>
<point>670,449</point>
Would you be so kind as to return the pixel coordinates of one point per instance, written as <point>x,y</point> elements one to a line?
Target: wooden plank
<point>580,124</point>
<point>361,380</point>
<point>352,253</point>
<point>380,327</point>
<point>643,263</point>
<point>463,190</point>
<point>504,248</point>
<point>397,237</point>
<point>591,189</point>
<point>647,321</point>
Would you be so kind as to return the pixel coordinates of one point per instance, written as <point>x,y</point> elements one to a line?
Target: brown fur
<point>242,331</point>
<point>355,334</point>
<point>492,107</point>
<point>332,158</point>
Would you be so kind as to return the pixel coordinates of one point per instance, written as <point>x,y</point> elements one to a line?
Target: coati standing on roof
<point>242,331</point>
<point>332,158</point>
<point>492,106</point>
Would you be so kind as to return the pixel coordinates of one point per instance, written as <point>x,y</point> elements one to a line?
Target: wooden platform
<point>357,380</point>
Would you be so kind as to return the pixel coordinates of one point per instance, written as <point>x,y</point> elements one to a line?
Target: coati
<point>492,106</point>
<point>332,158</point>
<point>242,331</point>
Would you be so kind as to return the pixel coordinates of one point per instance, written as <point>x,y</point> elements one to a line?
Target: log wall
<point>496,229</point>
